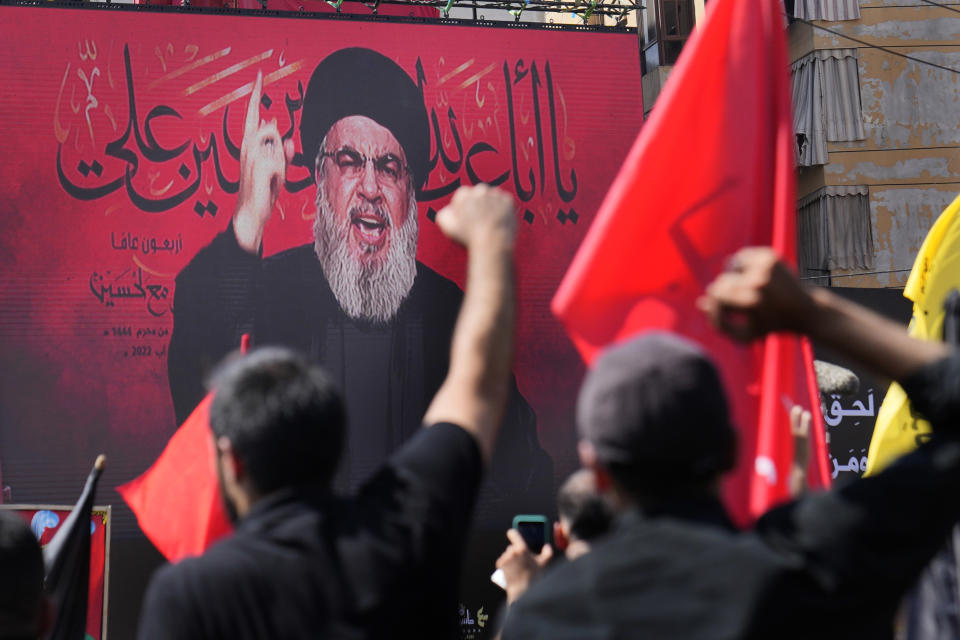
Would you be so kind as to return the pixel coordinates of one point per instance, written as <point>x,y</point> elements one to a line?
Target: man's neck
<point>304,492</point>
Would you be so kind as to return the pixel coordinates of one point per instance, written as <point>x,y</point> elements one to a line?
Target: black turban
<point>362,82</point>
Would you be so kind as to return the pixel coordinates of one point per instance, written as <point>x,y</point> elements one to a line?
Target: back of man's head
<point>582,509</point>
<point>283,417</point>
<point>21,579</point>
<point>655,412</point>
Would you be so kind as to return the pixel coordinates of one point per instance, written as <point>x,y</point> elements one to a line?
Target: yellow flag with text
<point>935,273</point>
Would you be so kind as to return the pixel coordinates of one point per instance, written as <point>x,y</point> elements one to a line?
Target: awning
<point>834,230</point>
<point>826,102</point>
<point>829,10</point>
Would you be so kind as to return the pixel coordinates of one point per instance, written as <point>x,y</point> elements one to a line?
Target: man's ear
<point>560,539</point>
<point>234,470</point>
<point>589,461</point>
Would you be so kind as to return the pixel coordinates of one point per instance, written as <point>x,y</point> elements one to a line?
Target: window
<point>667,26</point>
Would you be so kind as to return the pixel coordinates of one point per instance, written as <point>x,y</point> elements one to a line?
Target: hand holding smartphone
<point>535,533</point>
<point>534,530</point>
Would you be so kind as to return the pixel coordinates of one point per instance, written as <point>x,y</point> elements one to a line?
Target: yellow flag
<point>935,273</point>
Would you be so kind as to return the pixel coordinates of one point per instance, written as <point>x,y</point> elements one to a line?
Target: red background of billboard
<point>77,376</point>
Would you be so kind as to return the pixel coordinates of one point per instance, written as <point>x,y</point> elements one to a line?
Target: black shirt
<point>833,564</point>
<point>304,564</point>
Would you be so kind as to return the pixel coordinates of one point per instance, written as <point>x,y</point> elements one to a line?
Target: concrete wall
<point>910,159</point>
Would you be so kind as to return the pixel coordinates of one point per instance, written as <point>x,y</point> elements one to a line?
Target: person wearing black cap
<point>655,430</point>
<point>355,300</point>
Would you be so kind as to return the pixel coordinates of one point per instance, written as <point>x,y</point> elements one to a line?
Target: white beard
<point>366,290</point>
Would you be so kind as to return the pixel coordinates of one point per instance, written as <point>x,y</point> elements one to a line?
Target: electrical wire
<point>942,6</point>
<point>881,48</point>
<point>854,275</point>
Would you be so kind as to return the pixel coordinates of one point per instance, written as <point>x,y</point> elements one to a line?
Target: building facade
<point>877,117</point>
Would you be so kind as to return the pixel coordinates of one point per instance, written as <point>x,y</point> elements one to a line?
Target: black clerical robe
<point>388,373</point>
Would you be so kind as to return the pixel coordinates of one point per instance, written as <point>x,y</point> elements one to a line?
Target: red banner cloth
<point>712,171</point>
<point>177,500</point>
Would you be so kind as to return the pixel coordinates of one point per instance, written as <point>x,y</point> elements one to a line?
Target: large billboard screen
<point>123,280</point>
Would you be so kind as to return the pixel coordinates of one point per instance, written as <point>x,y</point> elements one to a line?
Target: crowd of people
<point>648,547</point>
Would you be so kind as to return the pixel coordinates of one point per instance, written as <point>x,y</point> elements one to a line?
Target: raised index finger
<point>252,121</point>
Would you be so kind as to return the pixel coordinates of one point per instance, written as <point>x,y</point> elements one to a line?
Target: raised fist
<point>756,295</point>
<point>479,214</point>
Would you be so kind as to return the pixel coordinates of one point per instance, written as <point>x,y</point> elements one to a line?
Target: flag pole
<point>67,561</point>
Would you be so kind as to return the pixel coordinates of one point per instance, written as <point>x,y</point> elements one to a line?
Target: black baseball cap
<point>655,405</point>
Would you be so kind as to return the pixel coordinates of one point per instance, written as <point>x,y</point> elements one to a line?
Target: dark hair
<point>588,512</point>
<point>21,578</point>
<point>284,418</point>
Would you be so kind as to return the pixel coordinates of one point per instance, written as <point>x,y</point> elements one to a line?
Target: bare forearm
<point>248,231</point>
<point>759,294</point>
<point>867,337</point>
<point>475,390</point>
<point>483,339</point>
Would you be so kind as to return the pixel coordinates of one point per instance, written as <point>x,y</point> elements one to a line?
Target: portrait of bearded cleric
<point>365,230</point>
<point>354,298</point>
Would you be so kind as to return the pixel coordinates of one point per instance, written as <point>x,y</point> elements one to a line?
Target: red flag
<point>177,501</point>
<point>712,171</point>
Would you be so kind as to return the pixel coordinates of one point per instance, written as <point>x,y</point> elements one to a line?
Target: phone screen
<point>533,530</point>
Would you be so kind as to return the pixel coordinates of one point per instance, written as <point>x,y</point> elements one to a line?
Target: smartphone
<point>534,530</point>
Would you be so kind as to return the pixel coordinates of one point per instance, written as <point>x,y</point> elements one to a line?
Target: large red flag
<point>177,501</point>
<point>712,171</point>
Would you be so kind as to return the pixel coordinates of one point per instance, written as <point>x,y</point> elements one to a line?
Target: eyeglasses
<point>389,169</point>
